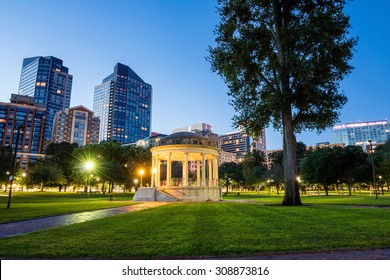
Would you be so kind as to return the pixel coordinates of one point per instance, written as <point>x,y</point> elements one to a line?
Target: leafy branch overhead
<point>276,54</point>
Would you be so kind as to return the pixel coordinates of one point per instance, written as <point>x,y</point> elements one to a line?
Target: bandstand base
<point>188,194</point>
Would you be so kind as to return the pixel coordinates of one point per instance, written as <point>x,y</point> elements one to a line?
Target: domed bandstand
<point>185,168</point>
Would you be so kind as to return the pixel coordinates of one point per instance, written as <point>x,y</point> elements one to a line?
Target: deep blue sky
<point>165,43</point>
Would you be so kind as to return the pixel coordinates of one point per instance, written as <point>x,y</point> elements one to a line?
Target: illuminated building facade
<point>76,125</point>
<point>240,144</point>
<point>123,102</point>
<point>23,112</point>
<point>359,132</point>
<point>47,80</point>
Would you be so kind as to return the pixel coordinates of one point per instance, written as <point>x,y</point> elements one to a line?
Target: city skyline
<point>166,44</point>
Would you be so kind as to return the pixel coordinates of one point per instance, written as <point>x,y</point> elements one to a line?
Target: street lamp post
<point>11,178</point>
<point>373,169</point>
<point>141,173</point>
<point>88,166</point>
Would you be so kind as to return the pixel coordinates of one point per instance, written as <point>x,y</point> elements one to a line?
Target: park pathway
<point>27,226</point>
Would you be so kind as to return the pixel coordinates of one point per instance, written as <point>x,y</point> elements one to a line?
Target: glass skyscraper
<point>48,81</point>
<point>123,101</point>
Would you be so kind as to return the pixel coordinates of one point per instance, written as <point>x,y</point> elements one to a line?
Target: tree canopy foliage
<point>6,158</point>
<point>337,165</point>
<point>112,163</point>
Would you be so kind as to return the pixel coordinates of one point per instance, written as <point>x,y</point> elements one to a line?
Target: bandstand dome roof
<point>185,138</point>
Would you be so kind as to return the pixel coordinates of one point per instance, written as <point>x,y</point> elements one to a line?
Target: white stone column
<point>153,181</point>
<point>169,170</point>
<point>203,171</point>
<point>215,171</point>
<point>210,172</point>
<point>158,172</point>
<point>185,170</point>
<point>198,173</point>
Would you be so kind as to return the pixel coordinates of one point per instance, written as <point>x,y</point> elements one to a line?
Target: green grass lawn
<point>218,229</point>
<point>364,199</point>
<point>28,205</point>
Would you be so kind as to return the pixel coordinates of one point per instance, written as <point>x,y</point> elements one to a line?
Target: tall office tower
<point>76,125</point>
<point>359,132</point>
<point>23,112</point>
<point>101,107</point>
<point>48,81</point>
<point>123,102</point>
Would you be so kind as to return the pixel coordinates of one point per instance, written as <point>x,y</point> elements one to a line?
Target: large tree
<point>61,153</point>
<point>45,173</point>
<point>323,166</point>
<point>230,173</point>
<point>254,168</point>
<point>283,61</point>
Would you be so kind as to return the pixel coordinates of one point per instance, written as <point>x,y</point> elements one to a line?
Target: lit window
<point>59,91</point>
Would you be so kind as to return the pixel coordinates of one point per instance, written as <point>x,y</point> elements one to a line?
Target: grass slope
<point>207,229</point>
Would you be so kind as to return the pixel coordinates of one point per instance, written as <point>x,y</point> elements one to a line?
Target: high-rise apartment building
<point>239,143</point>
<point>76,125</point>
<point>47,80</point>
<point>235,142</point>
<point>123,102</point>
<point>359,133</point>
<point>23,112</point>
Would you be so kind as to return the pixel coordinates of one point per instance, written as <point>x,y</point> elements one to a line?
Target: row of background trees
<point>65,165</point>
<point>323,168</point>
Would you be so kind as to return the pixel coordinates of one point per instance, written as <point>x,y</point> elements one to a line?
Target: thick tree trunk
<point>291,194</point>
<point>326,189</point>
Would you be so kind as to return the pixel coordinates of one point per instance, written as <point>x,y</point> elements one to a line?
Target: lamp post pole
<point>373,169</point>
<point>11,178</point>
<point>89,165</point>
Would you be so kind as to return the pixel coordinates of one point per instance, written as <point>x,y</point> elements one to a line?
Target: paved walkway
<point>21,227</point>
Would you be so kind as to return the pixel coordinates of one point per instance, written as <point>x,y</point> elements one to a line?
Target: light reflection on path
<point>21,227</point>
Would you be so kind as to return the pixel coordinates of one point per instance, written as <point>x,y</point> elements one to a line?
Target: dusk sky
<point>165,43</point>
